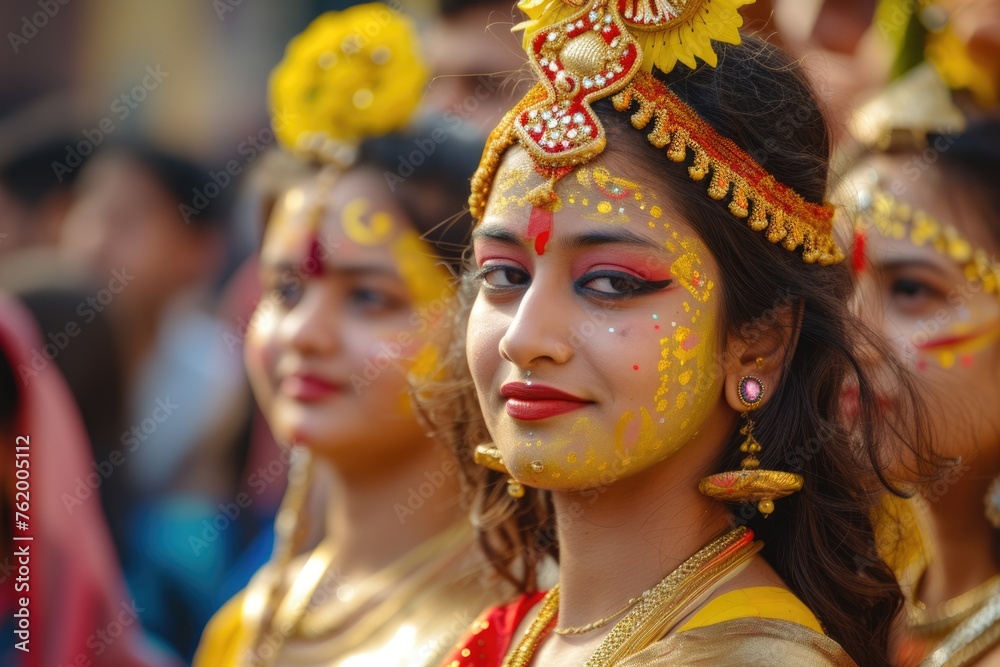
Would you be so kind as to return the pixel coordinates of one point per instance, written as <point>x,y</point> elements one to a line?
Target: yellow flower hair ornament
<point>666,32</point>
<point>350,75</point>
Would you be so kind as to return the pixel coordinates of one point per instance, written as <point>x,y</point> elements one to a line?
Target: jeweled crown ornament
<point>582,52</point>
<point>582,61</point>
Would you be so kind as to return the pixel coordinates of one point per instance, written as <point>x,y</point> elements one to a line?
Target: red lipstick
<point>309,388</point>
<point>530,402</point>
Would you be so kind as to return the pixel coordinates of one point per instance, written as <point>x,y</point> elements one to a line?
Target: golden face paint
<point>898,220</point>
<point>663,378</point>
<point>609,192</point>
<point>511,187</point>
<point>362,227</point>
<point>593,187</point>
<point>426,280</point>
<point>646,432</point>
<point>429,285</point>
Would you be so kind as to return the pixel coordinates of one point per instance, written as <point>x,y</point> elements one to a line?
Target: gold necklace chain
<point>526,648</point>
<point>657,611</point>
<point>326,620</point>
<point>584,629</point>
<point>945,617</point>
<point>294,609</point>
<point>274,632</point>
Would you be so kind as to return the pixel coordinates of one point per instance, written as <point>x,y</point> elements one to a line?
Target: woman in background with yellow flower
<point>355,266</point>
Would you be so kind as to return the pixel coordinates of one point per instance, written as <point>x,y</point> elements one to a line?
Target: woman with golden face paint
<point>356,269</point>
<point>639,352</point>
<point>928,275</point>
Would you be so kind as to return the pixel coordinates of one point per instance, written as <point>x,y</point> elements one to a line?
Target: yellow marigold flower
<point>350,75</point>
<point>686,35</point>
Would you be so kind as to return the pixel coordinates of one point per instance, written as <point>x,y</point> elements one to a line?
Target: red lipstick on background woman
<point>309,388</point>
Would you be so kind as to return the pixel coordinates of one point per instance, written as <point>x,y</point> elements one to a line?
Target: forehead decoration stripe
<point>898,220</point>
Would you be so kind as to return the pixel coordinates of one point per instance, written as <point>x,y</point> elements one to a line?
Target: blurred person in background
<point>85,351</point>
<point>79,611</point>
<point>926,251</point>
<point>34,198</point>
<point>852,49</point>
<point>477,64</point>
<point>273,174</point>
<point>356,269</point>
<point>924,205</point>
<point>150,226</point>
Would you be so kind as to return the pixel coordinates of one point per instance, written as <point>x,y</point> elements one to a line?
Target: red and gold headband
<point>582,52</point>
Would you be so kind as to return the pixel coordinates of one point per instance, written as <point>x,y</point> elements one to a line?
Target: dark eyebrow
<point>588,240</point>
<point>613,236</point>
<point>914,262</point>
<point>497,234</point>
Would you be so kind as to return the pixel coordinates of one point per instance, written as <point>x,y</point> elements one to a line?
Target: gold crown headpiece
<point>350,75</point>
<point>583,52</point>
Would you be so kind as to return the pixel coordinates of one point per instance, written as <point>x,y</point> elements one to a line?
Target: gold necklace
<point>945,617</point>
<point>326,620</point>
<point>970,640</point>
<point>293,615</point>
<point>656,612</point>
<point>273,632</point>
<point>584,629</point>
<point>526,648</point>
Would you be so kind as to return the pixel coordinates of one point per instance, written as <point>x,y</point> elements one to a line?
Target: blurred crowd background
<point>137,164</point>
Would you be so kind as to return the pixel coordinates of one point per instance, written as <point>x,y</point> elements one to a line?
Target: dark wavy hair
<point>821,540</point>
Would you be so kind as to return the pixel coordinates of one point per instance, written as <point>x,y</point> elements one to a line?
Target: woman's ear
<point>762,349</point>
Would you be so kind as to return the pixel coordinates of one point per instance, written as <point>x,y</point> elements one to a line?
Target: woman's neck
<point>619,540</point>
<point>377,518</point>
<point>962,539</point>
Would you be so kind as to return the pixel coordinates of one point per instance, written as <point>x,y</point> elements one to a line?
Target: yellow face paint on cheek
<point>430,290</point>
<point>595,451</point>
<point>688,270</point>
<point>957,348</point>
<point>428,283</point>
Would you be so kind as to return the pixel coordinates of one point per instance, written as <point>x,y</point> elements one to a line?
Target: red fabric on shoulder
<point>489,638</point>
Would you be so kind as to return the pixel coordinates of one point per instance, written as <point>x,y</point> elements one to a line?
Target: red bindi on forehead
<point>313,265</point>
<point>540,228</point>
<point>858,250</point>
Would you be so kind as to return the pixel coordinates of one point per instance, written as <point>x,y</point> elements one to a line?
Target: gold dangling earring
<point>489,456</point>
<point>750,483</point>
